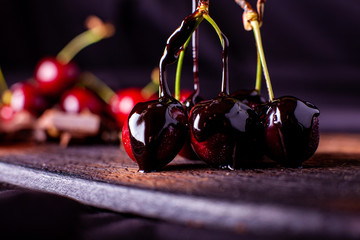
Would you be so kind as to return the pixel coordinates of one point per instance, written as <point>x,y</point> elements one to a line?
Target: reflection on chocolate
<point>158,130</point>
<point>291,129</point>
<point>224,132</point>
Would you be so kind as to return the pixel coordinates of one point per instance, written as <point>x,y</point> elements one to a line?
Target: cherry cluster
<point>230,131</point>
<point>59,94</point>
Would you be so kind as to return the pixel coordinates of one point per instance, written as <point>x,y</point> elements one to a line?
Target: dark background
<point>312,47</point>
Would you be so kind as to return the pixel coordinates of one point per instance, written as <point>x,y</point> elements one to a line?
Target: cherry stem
<point>258,73</point>
<point>216,27</point>
<point>256,29</point>
<point>152,86</point>
<point>3,85</point>
<point>89,80</point>
<point>224,44</point>
<point>250,16</point>
<point>96,32</point>
<point>260,9</point>
<point>179,68</point>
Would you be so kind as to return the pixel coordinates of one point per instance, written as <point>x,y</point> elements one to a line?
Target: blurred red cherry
<point>184,94</point>
<point>123,102</point>
<point>53,77</point>
<point>24,96</point>
<point>77,99</point>
<point>6,112</point>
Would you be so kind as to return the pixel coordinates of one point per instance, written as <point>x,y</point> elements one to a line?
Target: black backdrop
<point>311,47</point>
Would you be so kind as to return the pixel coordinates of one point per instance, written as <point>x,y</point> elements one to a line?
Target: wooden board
<point>320,199</point>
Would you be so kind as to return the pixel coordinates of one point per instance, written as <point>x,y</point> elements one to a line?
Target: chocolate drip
<point>225,65</point>
<point>174,46</point>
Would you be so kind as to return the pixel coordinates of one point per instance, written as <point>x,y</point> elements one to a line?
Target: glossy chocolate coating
<point>224,131</point>
<point>176,41</point>
<point>291,129</point>
<point>158,130</point>
<point>189,103</point>
<point>252,98</point>
<point>194,98</point>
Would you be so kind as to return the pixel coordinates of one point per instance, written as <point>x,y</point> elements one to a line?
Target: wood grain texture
<point>328,183</point>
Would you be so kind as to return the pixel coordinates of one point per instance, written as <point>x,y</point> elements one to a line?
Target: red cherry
<point>184,94</point>
<point>126,140</point>
<point>123,102</point>
<point>6,112</point>
<point>77,99</point>
<point>252,98</point>
<point>53,77</point>
<point>26,97</point>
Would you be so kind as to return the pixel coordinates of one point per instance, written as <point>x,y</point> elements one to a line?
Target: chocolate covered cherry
<point>252,98</point>
<point>189,103</point>
<point>223,131</point>
<point>291,129</point>
<point>157,131</point>
<point>190,98</point>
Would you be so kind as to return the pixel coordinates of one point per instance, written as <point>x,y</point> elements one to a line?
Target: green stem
<point>153,86</point>
<point>90,81</point>
<point>77,44</point>
<point>97,30</point>
<point>215,26</point>
<point>3,85</point>
<point>179,68</point>
<point>258,73</point>
<point>256,29</point>
<point>149,89</point>
<point>178,74</point>
<point>224,44</point>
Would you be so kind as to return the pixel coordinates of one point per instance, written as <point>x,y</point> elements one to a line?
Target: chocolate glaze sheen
<point>176,41</point>
<point>224,132</point>
<point>252,98</point>
<point>194,98</point>
<point>158,130</point>
<point>189,103</point>
<point>291,129</point>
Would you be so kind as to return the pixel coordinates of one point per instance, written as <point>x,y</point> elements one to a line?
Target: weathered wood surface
<point>326,189</point>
